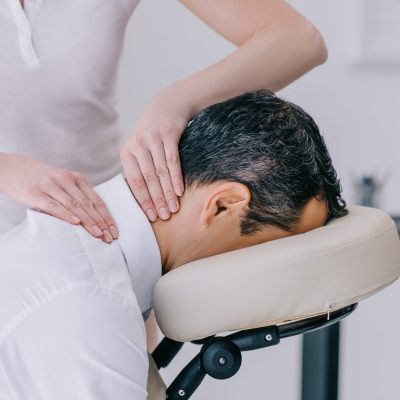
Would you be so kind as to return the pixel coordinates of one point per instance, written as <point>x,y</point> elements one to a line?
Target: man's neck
<point>164,237</point>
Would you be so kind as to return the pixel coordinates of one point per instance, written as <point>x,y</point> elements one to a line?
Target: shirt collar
<point>136,238</point>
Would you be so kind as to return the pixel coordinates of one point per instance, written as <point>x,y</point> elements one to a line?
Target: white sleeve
<point>5,393</point>
<point>87,343</point>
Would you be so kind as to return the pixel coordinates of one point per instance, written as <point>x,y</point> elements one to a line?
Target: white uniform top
<point>70,305</point>
<point>58,64</point>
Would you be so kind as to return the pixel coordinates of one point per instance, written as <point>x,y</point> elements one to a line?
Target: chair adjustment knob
<point>221,358</point>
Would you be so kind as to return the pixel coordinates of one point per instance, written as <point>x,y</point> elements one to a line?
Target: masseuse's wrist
<point>206,87</point>
<point>192,95</point>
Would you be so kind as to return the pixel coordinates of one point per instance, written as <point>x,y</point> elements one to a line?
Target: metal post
<point>320,372</point>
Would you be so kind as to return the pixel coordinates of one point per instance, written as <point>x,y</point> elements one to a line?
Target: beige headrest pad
<point>286,279</point>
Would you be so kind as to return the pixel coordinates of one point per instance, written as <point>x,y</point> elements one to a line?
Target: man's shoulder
<point>44,257</point>
<point>37,259</point>
<point>39,235</point>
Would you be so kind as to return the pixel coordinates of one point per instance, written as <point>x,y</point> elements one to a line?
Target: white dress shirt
<point>58,65</point>
<point>71,306</point>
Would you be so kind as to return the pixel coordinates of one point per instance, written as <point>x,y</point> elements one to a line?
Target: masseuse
<point>59,131</point>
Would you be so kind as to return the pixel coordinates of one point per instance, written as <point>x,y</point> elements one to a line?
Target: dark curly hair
<point>268,144</point>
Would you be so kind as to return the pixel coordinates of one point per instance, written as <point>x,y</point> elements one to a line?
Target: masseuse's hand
<point>151,159</point>
<point>60,193</point>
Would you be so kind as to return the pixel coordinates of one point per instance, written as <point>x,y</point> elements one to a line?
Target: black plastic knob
<point>221,358</point>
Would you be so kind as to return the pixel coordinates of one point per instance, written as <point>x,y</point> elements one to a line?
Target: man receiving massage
<point>72,307</point>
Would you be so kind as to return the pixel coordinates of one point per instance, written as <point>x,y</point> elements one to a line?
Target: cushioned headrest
<point>282,280</point>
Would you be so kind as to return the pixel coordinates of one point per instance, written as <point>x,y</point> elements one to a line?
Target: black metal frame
<point>220,356</point>
<point>320,364</point>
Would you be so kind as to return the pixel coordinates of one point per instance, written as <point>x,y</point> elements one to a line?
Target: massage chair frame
<point>220,356</point>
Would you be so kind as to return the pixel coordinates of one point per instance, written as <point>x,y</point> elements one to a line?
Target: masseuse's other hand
<point>151,159</point>
<point>60,193</point>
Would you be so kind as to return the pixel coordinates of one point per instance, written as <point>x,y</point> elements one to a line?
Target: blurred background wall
<point>357,109</point>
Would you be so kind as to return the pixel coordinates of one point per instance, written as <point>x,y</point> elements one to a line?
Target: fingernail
<point>96,230</point>
<point>178,190</point>
<point>173,206</point>
<point>164,214</point>
<point>114,231</point>
<point>75,219</point>
<point>151,215</point>
<point>107,236</point>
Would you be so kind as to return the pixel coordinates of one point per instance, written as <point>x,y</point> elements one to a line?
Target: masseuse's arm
<point>276,45</point>
<point>60,193</point>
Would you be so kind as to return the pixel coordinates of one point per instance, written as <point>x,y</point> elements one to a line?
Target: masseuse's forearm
<point>271,58</point>
<point>3,170</point>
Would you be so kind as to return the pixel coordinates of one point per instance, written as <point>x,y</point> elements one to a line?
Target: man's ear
<point>226,200</point>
